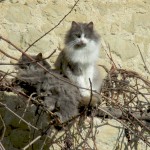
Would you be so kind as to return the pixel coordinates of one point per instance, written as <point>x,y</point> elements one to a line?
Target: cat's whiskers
<point>72,44</point>
<point>81,49</point>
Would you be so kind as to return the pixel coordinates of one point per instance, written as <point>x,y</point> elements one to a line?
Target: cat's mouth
<point>80,44</point>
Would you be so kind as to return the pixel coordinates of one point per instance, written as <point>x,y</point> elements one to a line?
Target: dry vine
<point>125,97</point>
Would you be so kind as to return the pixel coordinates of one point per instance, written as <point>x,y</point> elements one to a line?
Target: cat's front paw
<point>61,118</point>
<point>85,93</point>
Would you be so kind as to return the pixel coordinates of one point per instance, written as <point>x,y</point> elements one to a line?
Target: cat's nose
<point>82,42</point>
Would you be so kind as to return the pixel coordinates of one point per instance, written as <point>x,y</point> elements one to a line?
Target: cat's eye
<point>78,35</point>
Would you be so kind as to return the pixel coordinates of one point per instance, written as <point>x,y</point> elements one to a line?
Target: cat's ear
<point>24,57</point>
<point>90,25</point>
<point>74,24</point>
<point>39,56</point>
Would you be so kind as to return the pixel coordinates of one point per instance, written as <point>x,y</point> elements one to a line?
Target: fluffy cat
<point>78,59</point>
<point>60,97</point>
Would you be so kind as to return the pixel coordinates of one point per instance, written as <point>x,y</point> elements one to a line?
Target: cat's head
<point>80,34</point>
<point>26,63</point>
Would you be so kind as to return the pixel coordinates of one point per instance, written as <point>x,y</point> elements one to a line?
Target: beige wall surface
<point>122,24</point>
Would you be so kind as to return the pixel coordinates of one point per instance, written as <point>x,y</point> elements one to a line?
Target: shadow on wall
<point>2,0</point>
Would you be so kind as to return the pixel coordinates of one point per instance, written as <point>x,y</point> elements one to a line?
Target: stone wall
<point>121,23</point>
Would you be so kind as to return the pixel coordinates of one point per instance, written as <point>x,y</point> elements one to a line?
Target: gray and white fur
<point>60,97</point>
<point>78,59</point>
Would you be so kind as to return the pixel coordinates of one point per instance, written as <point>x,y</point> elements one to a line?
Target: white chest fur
<point>84,55</point>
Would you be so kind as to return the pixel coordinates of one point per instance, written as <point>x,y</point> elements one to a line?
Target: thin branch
<point>29,124</point>
<point>1,146</point>
<point>53,27</point>
<point>9,64</point>
<point>4,129</point>
<point>145,66</point>
<point>110,56</point>
<point>27,105</point>
<point>116,112</point>
<point>8,55</point>
<point>3,76</point>
<point>91,93</point>
<point>50,55</point>
<point>3,73</point>
<point>32,142</point>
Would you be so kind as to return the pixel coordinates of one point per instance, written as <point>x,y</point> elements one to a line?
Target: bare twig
<point>53,27</point>
<point>27,105</point>
<point>145,66</point>
<point>4,129</point>
<point>8,55</point>
<point>29,124</point>
<point>32,142</point>
<point>1,146</point>
<point>91,93</point>
<point>110,56</point>
<point>50,55</point>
